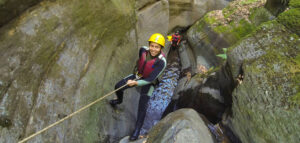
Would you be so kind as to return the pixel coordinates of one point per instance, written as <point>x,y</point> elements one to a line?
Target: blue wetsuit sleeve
<point>159,68</point>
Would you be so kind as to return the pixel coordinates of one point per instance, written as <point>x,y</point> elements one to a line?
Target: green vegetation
<point>200,76</point>
<point>291,19</point>
<point>294,3</point>
<point>227,11</point>
<point>210,19</point>
<point>235,32</point>
<point>224,55</point>
<point>295,100</point>
<point>245,2</point>
<point>259,15</point>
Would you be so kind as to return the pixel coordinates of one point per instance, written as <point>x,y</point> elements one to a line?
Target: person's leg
<point>142,109</point>
<point>120,92</point>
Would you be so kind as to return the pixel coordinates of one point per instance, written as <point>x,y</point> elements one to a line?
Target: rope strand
<point>69,116</point>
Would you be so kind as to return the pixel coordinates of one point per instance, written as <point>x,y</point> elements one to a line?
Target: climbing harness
<point>69,116</point>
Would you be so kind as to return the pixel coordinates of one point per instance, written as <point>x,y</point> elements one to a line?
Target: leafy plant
<point>223,56</point>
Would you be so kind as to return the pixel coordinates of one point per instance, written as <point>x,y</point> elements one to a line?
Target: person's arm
<point>179,38</point>
<point>142,50</point>
<point>159,68</point>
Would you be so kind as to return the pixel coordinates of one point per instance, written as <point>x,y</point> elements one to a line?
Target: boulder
<point>184,125</point>
<point>267,100</point>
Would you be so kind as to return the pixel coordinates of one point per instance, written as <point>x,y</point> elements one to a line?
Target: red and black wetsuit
<point>150,68</point>
<point>175,40</point>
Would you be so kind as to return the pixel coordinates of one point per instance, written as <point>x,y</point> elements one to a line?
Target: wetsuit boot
<point>114,102</point>
<point>143,104</point>
<point>119,94</point>
<point>134,136</point>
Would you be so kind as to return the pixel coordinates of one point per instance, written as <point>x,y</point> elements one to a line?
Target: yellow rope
<point>69,116</point>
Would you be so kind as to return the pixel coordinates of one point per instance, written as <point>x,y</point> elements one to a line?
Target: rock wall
<point>184,13</point>
<point>10,9</point>
<point>152,19</point>
<point>267,100</point>
<point>58,57</point>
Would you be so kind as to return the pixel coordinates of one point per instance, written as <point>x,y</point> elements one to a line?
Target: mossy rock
<point>234,23</point>
<point>291,19</point>
<point>294,3</point>
<point>184,125</point>
<point>260,15</point>
<point>234,30</point>
<point>268,98</point>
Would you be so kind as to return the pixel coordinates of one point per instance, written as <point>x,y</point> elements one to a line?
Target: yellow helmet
<point>157,38</point>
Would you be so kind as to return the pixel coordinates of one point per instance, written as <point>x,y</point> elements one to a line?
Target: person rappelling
<point>176,38</point>
<point>150,65</point>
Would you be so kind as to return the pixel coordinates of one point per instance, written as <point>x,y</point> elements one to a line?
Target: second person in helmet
<point>150,66</point>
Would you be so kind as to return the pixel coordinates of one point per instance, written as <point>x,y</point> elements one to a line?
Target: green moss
<point>243,29</point>
<point>290,19</point>
<point>259,15</point>
<point>227,11</point>
<point>280,70</point>
<point>235,32</point>
<point>200,25</point>
<point>295,100</point>
<point>294,3</point>
<point>2,2</point>
<point>223,29</point>
<point>96,16</point>
<point>109,20</point>
<point>245,2</point>
<point>209,19</point>
<point>297,59</point>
